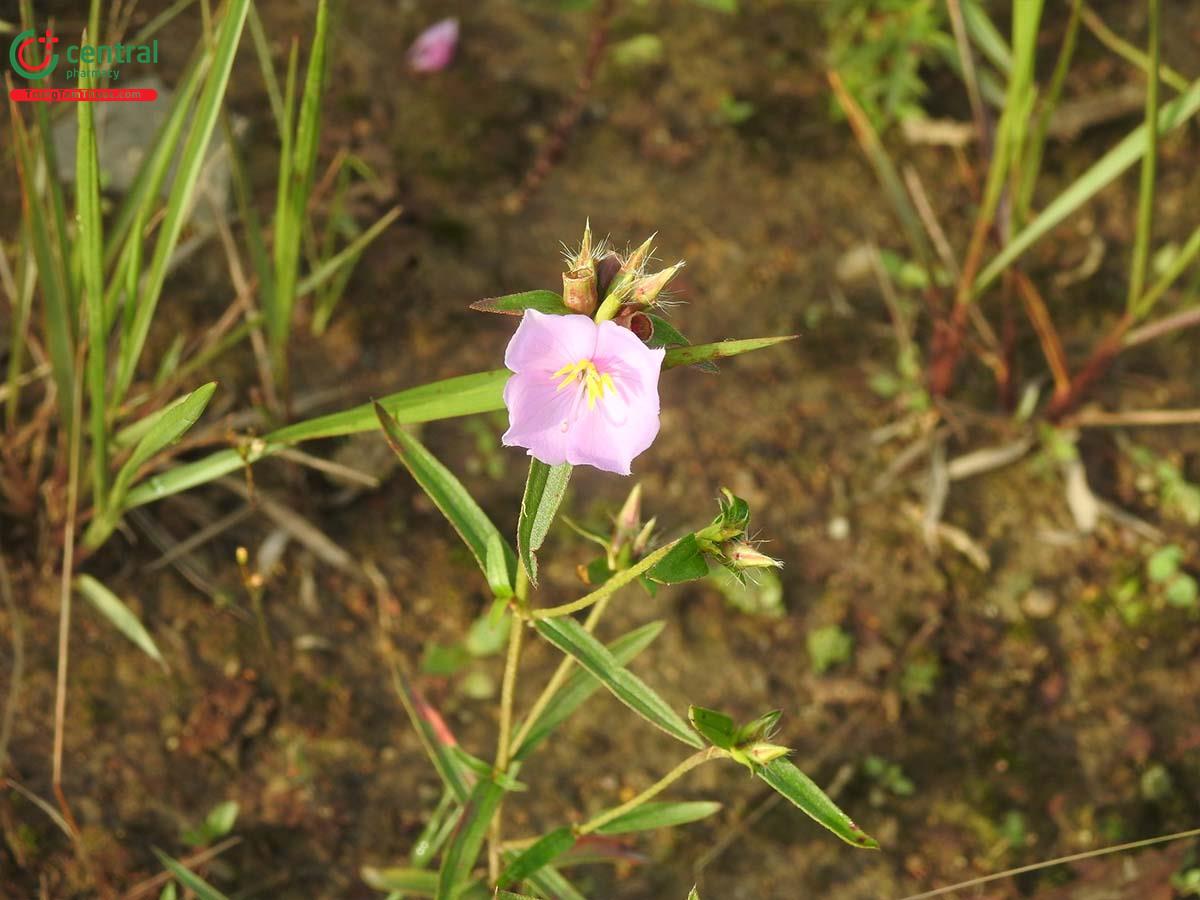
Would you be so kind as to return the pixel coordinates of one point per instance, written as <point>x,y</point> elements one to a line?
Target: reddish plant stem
<point>555,146</point>
<point>1098,363</point>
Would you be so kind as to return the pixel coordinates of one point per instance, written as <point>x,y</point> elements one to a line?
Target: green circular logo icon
<point>19,55</point>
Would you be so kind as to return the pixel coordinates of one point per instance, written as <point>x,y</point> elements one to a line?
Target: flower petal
<point>619,351</point>
<point>540,416</point>
<point>434,47</point>
<point>545,343</point>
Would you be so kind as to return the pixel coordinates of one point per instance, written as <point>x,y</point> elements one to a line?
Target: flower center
<point>595,383</point>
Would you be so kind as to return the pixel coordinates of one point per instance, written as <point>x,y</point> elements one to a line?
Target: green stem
<point>696,759</point>
<point>1141,245</point>
<point>607,589</point>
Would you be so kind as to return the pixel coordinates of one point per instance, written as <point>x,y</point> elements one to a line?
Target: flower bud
<point>579,290</point>
<point>763,753</point>
<point>744,555</point>
<point>646,289</point>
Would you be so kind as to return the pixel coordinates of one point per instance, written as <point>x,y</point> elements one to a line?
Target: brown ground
<point>1047,709</point>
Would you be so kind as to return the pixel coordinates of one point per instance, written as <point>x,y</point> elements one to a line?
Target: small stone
<point>1039,603</point>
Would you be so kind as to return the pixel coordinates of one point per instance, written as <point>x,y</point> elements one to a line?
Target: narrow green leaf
<point>693,894</point>
<point>716,727</point>
<point>464,849</point>
<point>499,578</point>
<point>447,493</point>
<point>571,638</point>
<point>53,272</point>
<point>689,356</point>
<point>296,178</point>
<point>189,879</point>
<point>1102,173</point>
<point>348,255</point>
<point>544,490</point>
<point>685,562</point>
<point>183,189</point>
<point>461,396</point>
<point>221,819</point>
<point>803,792</point>
<point>580,685</point>
<point>436,832</point>
<point>91,256</point>
<point>119,615</point>
<point>169,892</point>
<point>656,814</point>
<point>546,302</point>
<point>543,852</point>
<point>395,878</point>
<point>439,743</point>
<point>553,885</point>
<point>166,430</point>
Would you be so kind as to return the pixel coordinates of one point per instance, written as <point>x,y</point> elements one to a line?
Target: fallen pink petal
<point>582,393</point>
<point>434,48</point>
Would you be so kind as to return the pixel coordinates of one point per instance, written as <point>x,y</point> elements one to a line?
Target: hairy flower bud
<point>763,752</point>
<point>744,555</point>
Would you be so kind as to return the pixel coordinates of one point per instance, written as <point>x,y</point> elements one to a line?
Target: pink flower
<point>434,48</point>
<point>583,393</point>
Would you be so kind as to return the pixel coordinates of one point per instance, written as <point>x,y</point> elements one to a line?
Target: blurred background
<point>988,665</point>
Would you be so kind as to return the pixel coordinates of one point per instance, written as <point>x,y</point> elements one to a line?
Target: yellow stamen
<point>585,370</point>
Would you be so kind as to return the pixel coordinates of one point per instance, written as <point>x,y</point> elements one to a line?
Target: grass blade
<point>581,685</point>
<point>689,356</point>
<point>121,616</point>
<point>409,881</point>
<point>544,491</point>
<point>297,166</point>
<point>572,639</point>
<point>447,494</point>
<point>656,814</point>
<point>182,190</point>
<point>553,885</point>
<point>169,426</point>
<point>460,396</point>
<point>543,852</point>
<point>189,879</point>
<point>464,849</point>
<point>803,792</point>
<point>1102,173</point>
<point>53,274</point>
<point>345,257</point>
<point>91,254</point>
<point>1145,219</point>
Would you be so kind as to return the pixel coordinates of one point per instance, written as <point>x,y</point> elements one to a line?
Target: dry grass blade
<point>17,671</point>
<point>297,526</point>
<point>1049,863</point>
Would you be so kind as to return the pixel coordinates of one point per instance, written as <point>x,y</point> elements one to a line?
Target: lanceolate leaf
<point>660,815</point>
<point>120,615</point>
<point>550,883</point>
<point>439,743</point>
<point>468,840</point>
<point>797,787</point>
<point>448,494</point>
<point>546,302</point>
<point>544,490</point>
<point>581,685</point>
<point>544,851</point>
<point>421,882</point>
<point>688,356</point>
<point>461,396</point>
<point>571,638</point>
